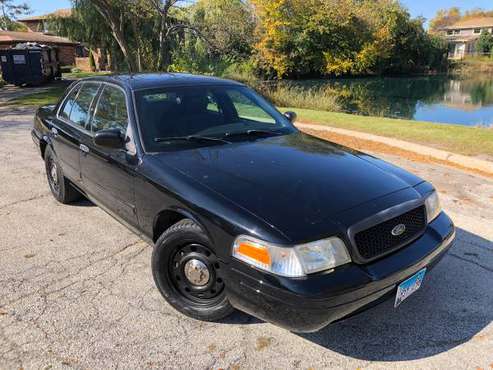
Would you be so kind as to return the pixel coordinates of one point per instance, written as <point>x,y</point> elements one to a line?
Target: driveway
<point>76,290</point>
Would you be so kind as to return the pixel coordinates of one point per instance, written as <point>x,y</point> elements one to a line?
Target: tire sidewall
<point>163,252</point>
<point>51,157</point>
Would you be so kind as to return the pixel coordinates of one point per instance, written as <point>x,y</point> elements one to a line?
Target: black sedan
<point>244,211</point>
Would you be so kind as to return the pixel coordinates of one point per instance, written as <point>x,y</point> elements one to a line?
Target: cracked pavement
<point>76,290</point>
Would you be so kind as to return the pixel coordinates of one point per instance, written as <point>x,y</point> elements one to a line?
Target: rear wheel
<point>60,187</point>
<point>188,274</point>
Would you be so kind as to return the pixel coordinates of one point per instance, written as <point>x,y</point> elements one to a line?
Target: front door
<point>108,174</point>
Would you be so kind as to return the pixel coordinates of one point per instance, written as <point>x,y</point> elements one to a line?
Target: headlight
<point>433,207</point>
<point>295,261</point>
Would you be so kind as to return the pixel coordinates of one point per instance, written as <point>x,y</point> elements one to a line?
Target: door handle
<point>84,148</point>
<point>54,131</point>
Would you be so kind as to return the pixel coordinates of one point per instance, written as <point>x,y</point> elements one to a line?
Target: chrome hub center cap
<point>197,272</point>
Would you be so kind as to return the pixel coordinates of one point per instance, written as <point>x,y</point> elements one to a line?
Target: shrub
<point>289,95</point>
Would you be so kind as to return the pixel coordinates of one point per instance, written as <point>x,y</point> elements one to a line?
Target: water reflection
<point>437,99</point>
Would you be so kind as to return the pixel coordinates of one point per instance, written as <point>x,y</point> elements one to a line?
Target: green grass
<point>76,75</point>
<point>50,96</point>
<point>454,138</point>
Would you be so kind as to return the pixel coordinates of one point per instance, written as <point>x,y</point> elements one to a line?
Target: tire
<point>176,251</point>
<point>60,187</point>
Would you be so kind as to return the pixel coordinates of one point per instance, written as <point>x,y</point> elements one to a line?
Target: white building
<point>463,35</point>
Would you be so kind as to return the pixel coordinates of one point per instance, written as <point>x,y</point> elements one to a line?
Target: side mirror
<point>110,138</point>
<point>291,116</point>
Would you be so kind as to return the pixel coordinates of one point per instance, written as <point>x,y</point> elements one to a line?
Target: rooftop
<point>478,22</point>
<point>139,81</point>
<point>57,13</point>
<point>13,36</point>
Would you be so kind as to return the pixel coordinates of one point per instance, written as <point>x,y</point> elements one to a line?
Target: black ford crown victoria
<point>244,210</point>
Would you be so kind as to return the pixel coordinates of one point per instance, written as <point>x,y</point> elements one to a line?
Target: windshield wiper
<point>252,132</point>
<point>195,138</point>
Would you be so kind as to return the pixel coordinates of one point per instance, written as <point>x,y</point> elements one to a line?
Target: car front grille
<point>379,239</point>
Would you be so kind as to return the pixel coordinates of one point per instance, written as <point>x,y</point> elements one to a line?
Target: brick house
<point>71,53</point>
<point>463,35</point>
<point>40,23</point>
<point>67,49</point>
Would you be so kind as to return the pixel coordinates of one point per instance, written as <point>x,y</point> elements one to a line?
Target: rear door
<point>108,174</point>
<point>69,128</point>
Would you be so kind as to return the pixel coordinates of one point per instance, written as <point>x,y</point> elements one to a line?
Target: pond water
<point>466,101</point>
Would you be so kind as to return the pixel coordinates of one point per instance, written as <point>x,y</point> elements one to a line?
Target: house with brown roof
<point>70,53</point>
<point>462,36</point>
<point>67,49</point>
<point>41,23</point>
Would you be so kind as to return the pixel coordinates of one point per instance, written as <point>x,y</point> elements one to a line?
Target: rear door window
<point>69,103</point>
<point>80,109</point>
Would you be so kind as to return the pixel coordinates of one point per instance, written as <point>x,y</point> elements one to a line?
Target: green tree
<point>444,18</point>
<point>92,62</point>
<point>218,44</point>
<point>9,12</point>
<point>485,42</point>
<point>337,37</point>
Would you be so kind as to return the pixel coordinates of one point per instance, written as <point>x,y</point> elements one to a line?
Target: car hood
<point>292,182</point>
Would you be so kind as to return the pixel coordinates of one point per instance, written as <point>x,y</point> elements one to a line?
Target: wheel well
<point>164,221</point>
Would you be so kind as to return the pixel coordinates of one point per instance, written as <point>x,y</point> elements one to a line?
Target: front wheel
<point>188,274</point>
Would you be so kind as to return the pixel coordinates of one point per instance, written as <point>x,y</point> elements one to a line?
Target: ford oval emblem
<point>398,230</point>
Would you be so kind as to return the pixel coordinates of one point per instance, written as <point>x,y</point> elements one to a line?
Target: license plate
<point>409,286</point>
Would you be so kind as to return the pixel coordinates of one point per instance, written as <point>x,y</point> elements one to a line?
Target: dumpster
<point>30,64</point>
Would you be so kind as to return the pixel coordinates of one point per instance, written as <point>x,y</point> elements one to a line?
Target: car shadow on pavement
<point>240,318</point>
<point>83,202</point>
<point>452,307</point>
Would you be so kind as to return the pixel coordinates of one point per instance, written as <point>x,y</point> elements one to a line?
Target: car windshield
<point>198,115</point>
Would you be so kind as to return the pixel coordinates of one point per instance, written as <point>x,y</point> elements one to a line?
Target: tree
<point>116,13</point>
<point>85,24</point>
<point>444,18</point>
<point>10,12</point>
<point>171,23</point>
<point>336,37</point>
<point>219,44</point>
<point>485,42</point>
<point>236,36</point>
<point>92,62</point>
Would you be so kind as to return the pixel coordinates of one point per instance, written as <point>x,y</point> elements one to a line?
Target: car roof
<point>140,81</point>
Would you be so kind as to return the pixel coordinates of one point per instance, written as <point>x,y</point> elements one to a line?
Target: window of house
<point>456,32</point>
<point>477,30</point>
<point>450,32</point>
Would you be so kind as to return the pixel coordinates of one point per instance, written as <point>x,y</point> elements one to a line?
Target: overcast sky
<point>425,8</point>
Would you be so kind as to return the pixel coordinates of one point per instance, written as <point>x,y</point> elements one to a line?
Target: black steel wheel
<point>196,274</point>
<point>188,274</point>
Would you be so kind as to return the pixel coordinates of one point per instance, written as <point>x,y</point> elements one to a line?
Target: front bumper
<point>310,303</point>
